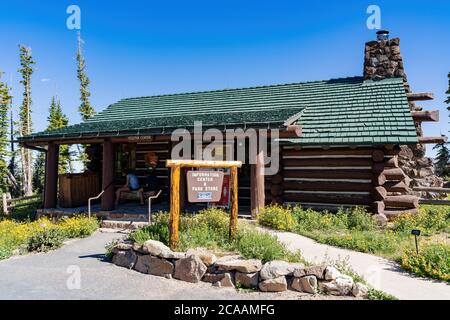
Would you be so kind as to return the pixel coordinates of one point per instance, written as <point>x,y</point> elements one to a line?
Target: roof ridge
<point>244,88</point>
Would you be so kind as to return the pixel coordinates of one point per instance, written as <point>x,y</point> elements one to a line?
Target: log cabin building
<point>339,141</point>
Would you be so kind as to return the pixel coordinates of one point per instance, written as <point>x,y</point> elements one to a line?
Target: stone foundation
<point>155,258</point>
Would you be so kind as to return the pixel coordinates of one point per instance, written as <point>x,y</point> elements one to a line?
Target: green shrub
<point>158,230</point>
<point>78,227</point>
<point>359,219</point>
<point>432,261</point>
<point>429,219</point>
<point>253,244</point>
<point>277,217</point>
<point>45,239</point>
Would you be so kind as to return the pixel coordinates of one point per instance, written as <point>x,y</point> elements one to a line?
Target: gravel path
<point>383,274</point>
<point>45,276</point>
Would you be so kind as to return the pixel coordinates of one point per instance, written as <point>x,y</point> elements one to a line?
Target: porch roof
<point>337,111</point>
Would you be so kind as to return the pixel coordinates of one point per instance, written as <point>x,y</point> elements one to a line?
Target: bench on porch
<point>133,195</point>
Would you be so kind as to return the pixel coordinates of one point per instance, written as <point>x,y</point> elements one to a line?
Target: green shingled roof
<point>340,111</point>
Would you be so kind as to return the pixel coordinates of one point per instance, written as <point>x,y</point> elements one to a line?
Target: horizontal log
<point>396,186</point>
<point>312,152</point>
<point>392,214</point>
<point>378,207</point>
<point>326,186</point>
<point>327,162</point>
<point>354,199</point>
<point>392,162</point>
<point>421,96</point>
<point>405,201</point>
<point>422,116</point>
<point>378,155</point>
<point>329,174</point>
<point>435,201</point>
<point>378,180</point>
<point>432,189</point>
<point>393,174</point>
<point>379,193</point>
<point>433,140</point>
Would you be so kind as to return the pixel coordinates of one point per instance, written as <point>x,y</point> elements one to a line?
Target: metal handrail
<point>150,206</point>
<point>89,202</point>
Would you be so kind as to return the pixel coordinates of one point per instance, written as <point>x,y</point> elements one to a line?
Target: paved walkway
<point>47,275</point>
<point>381,273</point>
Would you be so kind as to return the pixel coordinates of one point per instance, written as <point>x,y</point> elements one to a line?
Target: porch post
<point>108,176</point>
<point>260,181</point>
<point>51,176</point>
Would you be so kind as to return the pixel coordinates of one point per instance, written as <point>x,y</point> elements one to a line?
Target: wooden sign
<point>204,186</point>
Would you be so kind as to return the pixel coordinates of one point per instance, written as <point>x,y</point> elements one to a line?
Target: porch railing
<point>150,206</point>
<point>433,201</point>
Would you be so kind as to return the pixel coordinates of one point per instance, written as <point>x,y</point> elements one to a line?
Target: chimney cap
<point>382,35</point>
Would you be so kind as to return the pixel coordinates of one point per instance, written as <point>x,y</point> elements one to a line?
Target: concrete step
<point>130,224</point>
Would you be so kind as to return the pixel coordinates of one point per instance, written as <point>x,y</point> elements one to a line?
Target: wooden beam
<point>432,189</point>
<point>327,162</point>
<point>422,96</point>
<point>51,176</point>
<point>326,186</point>
<point>433,140</point>
<point>328,174</point>
<point>107,202</point>
<point>404,201</point>
<point>435,202</point>
<point>396,186</point>
<point>333,198</point>
<point>203,164</point>
<point>174,206</point>
<point>378,155</point>
<point>234,204</point>
<point>422,116</point>
<point>379,193</point>
<point>260,180</point>
<point>390,214</point>
<point>378,207</point>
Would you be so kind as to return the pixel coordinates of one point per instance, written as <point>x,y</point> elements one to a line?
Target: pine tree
<point>57,120</point>
<point>442,159</point>
<point>25,125</point>
<point>448,92</point>
<point>85,108</point>
<point>5,99</point>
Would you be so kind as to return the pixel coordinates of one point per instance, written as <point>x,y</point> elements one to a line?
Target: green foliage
<point>85,108</point>
<point>277,217</point>
<point>442,159</point>
<point>209,228</point>
<point>432,261</point>
<point>5,100</point>
<point>42,234</point>
<point>429,219</point>
<point>45,239</point>
<point>447,101</point>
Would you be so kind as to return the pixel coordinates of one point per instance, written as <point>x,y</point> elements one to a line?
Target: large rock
<point>125,259</point>
<point>207,257</point>
<point>275,269</point>
<point>213,277</point>
<point>159,249</point>
<point>153,265</point>
<point>247,266</point>
<point>190,269</point>
<point>317,271</point>
<point>246,280</point>
<point>121,246</point>
<point>305,284</point>
<point>226,281</point>
<point>331,273</point>
<point>342,286</point>
<point>273,285</point>
<point>360,290</point>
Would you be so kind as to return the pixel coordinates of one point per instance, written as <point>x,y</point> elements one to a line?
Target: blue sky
<point>140,48</point>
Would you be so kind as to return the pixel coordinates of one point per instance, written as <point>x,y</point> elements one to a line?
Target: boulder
<point>342,286</point>
<point>317,271</point>
<point>360,290</point>
<point>125,259</point>
<point>207,257</point>
<point>153,265</point>
<point>275,269</point>
<point>213,277</point>
<point>331,273</point>
<point>273,285</point>
<point>247,266</point>
<point>305,284</point>
<point>246,280</point>
<point>142,263</point>
<point>226,281</point>
<point>159,249</point>
<point>121,246</point>
<point>190,269</point>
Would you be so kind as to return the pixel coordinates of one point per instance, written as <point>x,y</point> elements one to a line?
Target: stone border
<point>155,258</point>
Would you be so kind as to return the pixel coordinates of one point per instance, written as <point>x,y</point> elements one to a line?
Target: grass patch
<point>209,229</point>
<point>355,229</point>
<point>42,234</point>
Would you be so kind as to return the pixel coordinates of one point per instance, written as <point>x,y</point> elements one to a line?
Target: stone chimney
<point>382,58</point>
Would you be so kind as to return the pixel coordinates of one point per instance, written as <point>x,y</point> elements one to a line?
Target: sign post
<point>203,187</point>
